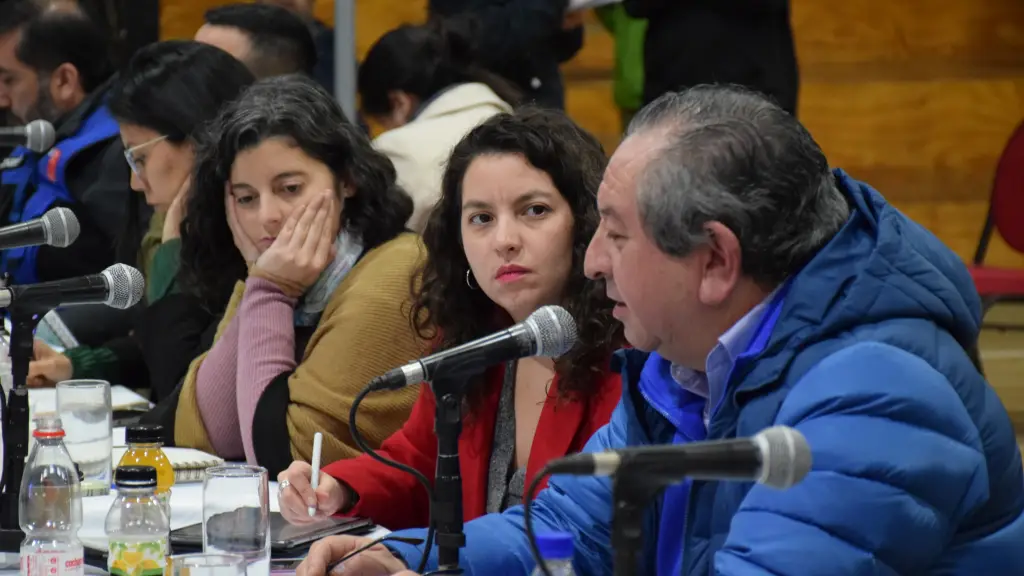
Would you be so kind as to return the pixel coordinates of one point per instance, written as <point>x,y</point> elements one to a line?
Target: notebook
<point>121,398</point>
<point>188,463</point>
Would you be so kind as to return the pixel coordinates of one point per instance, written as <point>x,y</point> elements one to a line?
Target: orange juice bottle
<point>145,448</point>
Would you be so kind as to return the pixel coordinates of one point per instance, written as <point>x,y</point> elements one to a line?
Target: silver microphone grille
<point>39,136</point>
<point>553,330</point>
<point>61,227</point>
<point>785,456</point>
<point>125,286</point>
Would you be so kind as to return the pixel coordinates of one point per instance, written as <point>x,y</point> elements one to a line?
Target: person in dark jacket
<point>718,41</point>
<point>270,40</point>
<point>161,102</point>
<point>55,66</point>
<point>6,120</point>
<point>323,38</point>
<point>524,41</point>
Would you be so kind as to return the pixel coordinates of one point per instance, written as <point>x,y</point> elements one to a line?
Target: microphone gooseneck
<point>119,286</point>
<point>38,136</point>
<point>58,227</point>
<point>778,457</point>
<point>549,332</point>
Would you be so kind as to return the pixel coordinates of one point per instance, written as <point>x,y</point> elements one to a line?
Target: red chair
<point>1005,215</point>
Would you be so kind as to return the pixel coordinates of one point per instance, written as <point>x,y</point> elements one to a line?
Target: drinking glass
<point>205,565</point>
<point>236,515</point>
<point>84,408</point>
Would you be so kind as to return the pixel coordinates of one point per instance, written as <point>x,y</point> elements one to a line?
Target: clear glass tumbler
<point>236,515</point>
<point>205,565</point>
<point>84,408</point>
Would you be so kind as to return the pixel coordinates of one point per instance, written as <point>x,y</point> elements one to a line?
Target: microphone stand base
<point>446,510</point>
<point>631,493</point>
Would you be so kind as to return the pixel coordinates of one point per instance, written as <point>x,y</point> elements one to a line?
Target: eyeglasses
<point>129,154</point>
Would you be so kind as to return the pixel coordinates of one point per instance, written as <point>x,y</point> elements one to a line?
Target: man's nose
<point>595,262</point>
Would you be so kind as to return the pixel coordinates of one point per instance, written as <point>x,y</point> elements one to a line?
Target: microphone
<point>58,227</point>
<point>119,286</point>
<point>38,136</point>
<point>778,457</point>
<point>550,332</point>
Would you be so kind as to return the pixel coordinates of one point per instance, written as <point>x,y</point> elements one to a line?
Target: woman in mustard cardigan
<point>289,196</point>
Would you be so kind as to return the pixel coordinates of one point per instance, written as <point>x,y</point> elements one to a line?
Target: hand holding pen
<point>298,494</point>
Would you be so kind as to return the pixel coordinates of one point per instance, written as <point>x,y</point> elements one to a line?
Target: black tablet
<point>285,538</point>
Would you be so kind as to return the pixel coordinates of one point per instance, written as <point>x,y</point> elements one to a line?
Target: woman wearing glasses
<point>169,91</point>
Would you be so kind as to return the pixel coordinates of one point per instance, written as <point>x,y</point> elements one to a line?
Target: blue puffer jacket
<point>916,466</point>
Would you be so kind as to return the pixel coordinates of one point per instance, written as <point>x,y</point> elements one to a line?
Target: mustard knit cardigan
<point>364,331</point>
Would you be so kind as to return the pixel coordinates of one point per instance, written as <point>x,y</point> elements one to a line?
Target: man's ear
<point>722,266</point>
<point>66,87</point>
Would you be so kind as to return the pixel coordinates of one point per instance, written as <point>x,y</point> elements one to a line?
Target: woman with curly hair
<point>296,219</point>
<point>508,236</point>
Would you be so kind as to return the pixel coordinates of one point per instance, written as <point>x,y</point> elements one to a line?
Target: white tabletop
<point>186,499</point>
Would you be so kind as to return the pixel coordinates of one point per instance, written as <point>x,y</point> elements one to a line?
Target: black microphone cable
<point>358,438</point>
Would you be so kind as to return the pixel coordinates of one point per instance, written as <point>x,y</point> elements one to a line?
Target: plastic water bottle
<point>136,525</point>
<point>556,550</point>
<point>50,506</point>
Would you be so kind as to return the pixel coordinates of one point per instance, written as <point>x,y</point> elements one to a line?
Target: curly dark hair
<point>296,108</point>
<point>448,312</point>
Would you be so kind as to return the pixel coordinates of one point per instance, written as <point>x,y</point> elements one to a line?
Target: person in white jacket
<point>422,85</point>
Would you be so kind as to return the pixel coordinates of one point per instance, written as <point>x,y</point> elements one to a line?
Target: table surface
<point>186,509</point>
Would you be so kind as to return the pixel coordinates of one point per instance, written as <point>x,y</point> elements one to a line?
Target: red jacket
<point>395,500</point>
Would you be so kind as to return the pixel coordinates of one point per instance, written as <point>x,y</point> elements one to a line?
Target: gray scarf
<point>348,249</point>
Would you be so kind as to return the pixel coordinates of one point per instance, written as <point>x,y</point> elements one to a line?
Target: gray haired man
<point>759,287</point>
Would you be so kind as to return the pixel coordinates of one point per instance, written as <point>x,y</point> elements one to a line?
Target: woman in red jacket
<point>508,236</point>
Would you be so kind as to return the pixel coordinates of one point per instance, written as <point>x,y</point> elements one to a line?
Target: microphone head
<point>553,331</point>
<point>61,227</point>
<point>785,456</point>
<point>125,286</point>
<point>39,136</point>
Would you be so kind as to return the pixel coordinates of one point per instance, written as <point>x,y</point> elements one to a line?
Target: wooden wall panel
<point>916,140</point>
<point>179,19</point>
<point>910,34</point>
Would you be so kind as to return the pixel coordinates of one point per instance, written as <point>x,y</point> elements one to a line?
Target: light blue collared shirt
<point>710,384</point>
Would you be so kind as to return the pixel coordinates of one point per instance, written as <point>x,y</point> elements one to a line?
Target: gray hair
<point>734,157</point>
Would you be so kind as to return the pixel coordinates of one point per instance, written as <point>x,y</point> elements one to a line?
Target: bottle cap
<point>555,545</point>
<point>135,477</point>
<point>144,434</point>
<point>48,427</point>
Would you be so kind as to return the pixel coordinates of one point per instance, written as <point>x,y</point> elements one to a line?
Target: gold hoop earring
<point>469,278</point>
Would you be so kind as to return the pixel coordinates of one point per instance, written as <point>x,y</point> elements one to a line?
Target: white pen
<point>318,442</point>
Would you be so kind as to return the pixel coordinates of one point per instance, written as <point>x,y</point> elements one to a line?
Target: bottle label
<point>137,558</point>
<point>46,563</point>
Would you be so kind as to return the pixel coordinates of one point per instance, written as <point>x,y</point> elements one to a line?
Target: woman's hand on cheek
<point>303,248</point>
<point>249,250</point>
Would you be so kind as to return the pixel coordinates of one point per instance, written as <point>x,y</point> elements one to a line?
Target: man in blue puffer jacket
<point>775,291</point>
